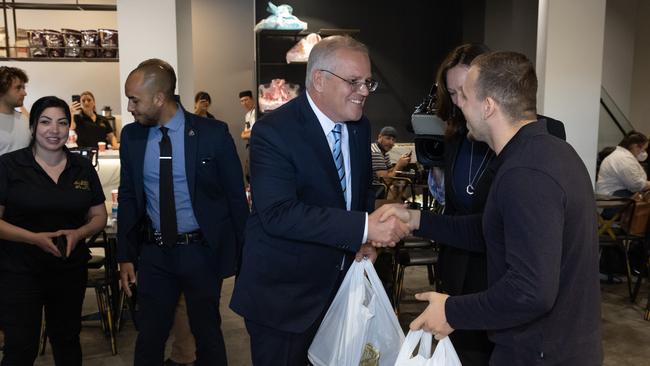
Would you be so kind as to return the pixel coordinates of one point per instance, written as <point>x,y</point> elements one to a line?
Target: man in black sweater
<point>538,230</point>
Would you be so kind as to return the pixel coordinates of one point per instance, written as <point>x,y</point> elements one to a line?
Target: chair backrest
<point>381,190</point>
<point>634,220</point>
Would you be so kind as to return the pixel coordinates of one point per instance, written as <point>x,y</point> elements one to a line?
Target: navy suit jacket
<point>215,182</point>
<point>299,231</point>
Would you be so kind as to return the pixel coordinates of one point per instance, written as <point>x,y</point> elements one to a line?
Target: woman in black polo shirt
<point>90,127</point>
<point>45,193</point>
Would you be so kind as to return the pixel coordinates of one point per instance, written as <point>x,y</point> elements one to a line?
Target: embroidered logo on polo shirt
<point>81,184</point>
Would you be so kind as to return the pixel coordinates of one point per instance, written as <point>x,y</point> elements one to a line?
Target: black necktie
<point>167,206</point>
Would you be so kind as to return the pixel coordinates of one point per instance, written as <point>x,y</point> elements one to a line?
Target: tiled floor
<point>625,333</point>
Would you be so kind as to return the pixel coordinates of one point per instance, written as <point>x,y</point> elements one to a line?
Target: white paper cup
<point>101,146</point>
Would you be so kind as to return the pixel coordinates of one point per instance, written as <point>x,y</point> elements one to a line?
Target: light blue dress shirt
<point>185,220</point>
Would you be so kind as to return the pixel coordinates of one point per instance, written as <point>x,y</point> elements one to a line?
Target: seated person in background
<point>381,165</point>
<point>202,102</point>
<point>620,173</point>
<point>90,127</point>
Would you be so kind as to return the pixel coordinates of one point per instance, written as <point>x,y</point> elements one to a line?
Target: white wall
<point>185,71</point>
<point>64,79</point>
<point>569,67</point>
<point>147,30</point>
<point>223,43</point>
<point>640,104</point>
<point>618,52</point>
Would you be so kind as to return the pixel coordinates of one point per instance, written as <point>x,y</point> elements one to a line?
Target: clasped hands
<point>388,224</point>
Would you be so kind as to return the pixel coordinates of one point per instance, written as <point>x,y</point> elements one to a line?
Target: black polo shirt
<point>89,133</point>
<point>33,201</point>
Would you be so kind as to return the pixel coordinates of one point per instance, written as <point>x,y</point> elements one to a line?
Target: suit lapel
<point>191,144</point>
<point>353,141</point>
<point>314,132</point>
<point>138,147</point>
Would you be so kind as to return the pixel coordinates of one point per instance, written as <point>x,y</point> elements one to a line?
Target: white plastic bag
<point>359,323</point>
<point>444,355</point>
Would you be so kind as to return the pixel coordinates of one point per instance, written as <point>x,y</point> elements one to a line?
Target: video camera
<point>429,132</point>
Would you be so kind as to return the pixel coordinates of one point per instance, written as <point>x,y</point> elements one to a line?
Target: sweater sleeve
<point>533,221</point>
<point>464,232</point>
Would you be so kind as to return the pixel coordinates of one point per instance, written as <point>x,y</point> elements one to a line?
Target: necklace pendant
<point>470,189</point>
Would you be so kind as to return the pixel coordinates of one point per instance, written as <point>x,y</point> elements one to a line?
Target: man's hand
<point>45,243</point>
<point>387,232</point>
<point>410,217</point>
<point>366,250</point>
<point>127,276</point>
<point>402,162</point>
<point>433,318</point>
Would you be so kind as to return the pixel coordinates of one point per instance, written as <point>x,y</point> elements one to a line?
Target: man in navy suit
<point>311,188</point>
<point>182,212</point>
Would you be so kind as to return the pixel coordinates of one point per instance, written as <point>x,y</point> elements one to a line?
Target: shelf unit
<point>13,6</point>
<point>271,48</point>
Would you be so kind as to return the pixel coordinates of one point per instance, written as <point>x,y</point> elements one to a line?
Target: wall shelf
<point>59,59</point>
<point>12,6</point>
<point>42,6</point>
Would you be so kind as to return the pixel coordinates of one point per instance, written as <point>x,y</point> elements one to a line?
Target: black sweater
<point>540,235</point>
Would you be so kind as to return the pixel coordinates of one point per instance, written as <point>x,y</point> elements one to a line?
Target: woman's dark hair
<point>42,104</point>
<point>633,138</point>
<point>446,110</point>
<point>202,95</point>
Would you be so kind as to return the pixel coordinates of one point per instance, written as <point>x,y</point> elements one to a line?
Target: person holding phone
<point>48,196</point>
<point>90,127</point>
<point>202,103</point>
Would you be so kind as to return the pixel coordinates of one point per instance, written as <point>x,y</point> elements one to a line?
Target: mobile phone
<point>134,289</point>
<point>61,243</point>
<point>76,98</point>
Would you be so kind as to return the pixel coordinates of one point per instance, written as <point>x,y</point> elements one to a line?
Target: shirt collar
<point>325,122</point>
<point>176,122</point>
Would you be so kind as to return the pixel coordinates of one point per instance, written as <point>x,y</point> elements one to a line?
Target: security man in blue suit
<point>182,212</point>
<point>311,187</point>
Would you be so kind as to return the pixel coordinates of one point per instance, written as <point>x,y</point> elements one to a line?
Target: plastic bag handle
<point>375,282</point>
<point>412,339</point>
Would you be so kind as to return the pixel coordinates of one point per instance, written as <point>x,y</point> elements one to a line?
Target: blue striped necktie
<point>338,156</point>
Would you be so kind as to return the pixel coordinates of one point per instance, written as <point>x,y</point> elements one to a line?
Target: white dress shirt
<point>327,125</point>
<point>620,170</point>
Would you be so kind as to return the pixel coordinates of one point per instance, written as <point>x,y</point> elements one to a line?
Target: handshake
<point>388,224</point>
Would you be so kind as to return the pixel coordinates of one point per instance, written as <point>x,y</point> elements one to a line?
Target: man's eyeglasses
<point>370,84</point>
